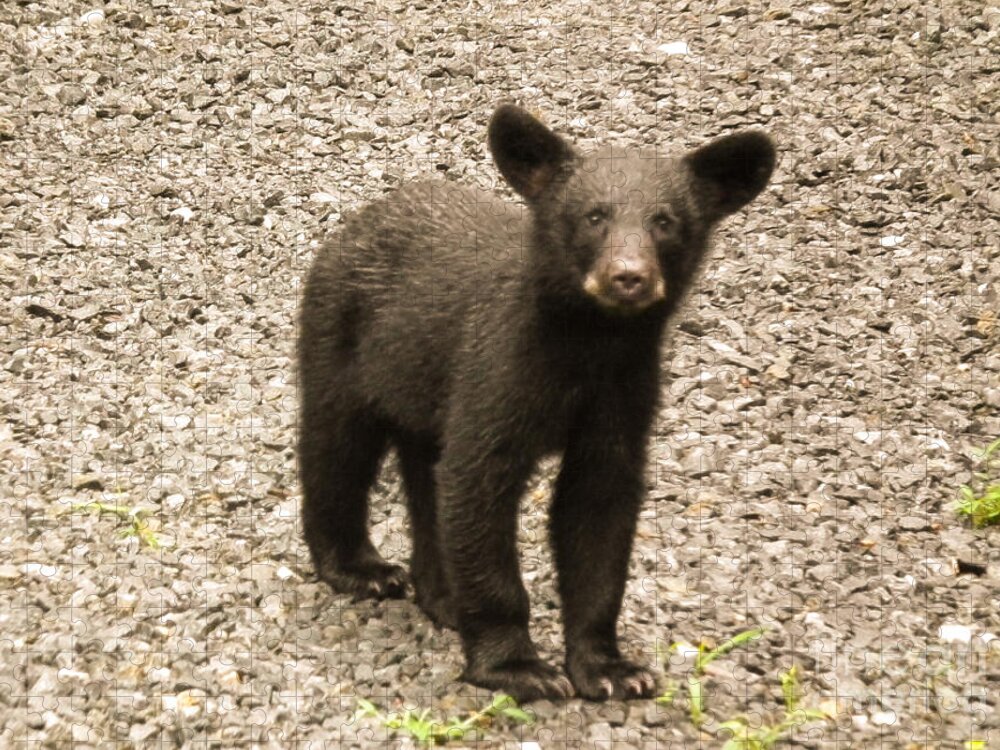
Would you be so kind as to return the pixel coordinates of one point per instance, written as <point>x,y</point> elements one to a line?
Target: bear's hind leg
<point>416,464</point>
<point>339,455</point>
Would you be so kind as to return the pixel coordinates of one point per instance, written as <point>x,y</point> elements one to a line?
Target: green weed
<point>136,518</point>
<point>666,698</point>
<point>704,657</point>
<point>742,735</point>
<point>980,501</point>
<point>428,731</point>
<point>746,737</point>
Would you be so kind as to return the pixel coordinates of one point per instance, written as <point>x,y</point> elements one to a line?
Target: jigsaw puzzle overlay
<point>800,574</point>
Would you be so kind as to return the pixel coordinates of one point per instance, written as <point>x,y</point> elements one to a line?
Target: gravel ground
<point>166,170</point>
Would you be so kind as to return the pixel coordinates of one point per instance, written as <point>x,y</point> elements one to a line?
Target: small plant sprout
<point>429,731</point>
<point>790,688</point>
<point>706,655</point>
<point>741,735</point>
<point>136,519</point>
<point>666,698</point>
<point>980,500</point>
<point>745,737</point>
<point>703,657</point>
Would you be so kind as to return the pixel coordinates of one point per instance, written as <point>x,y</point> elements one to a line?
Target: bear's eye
<point>596,216</point>
<point>663,222</point>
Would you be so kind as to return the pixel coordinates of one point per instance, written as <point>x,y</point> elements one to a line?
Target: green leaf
<point>810,714</point>
<point>740,639</point>
<point>736,726</point>
<point>418,726</point>
<point>789,688</point>
<point>366,709</point>
<point>666,698</point>
<point>697,698</point>
<point>518,714</point>
<point>741,734</point>
<point>422,732</point>
<point>457,728</point>
<point>505,705</point>
<point>501,701</point>
<point>989,450</point>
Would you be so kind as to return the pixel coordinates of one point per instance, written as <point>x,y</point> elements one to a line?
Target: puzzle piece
<point>169,171</point>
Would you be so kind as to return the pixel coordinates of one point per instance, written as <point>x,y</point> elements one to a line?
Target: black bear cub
<point>475,337</point>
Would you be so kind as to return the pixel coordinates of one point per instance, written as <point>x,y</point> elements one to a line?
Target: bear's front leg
<point>594,513</point>
<point>480,481</point>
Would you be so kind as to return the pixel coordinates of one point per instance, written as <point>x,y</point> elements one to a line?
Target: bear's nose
<point>628,282</point>
<point>630,279</point>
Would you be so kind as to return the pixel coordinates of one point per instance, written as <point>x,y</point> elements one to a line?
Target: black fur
<point>475,336</point>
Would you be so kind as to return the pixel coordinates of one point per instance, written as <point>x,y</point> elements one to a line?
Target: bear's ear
<point>731,171</point>
<point>527,153</point>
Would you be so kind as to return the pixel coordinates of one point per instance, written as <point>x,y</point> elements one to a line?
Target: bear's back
<point>424,270</point>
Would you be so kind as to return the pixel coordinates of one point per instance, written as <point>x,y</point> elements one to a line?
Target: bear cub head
<point>623,232</point>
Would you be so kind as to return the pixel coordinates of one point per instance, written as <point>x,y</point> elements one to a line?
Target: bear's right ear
<point>527,153</point>
<point>731,171</point>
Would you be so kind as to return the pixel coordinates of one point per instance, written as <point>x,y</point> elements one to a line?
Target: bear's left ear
<point>526,152</point>
<point>731,171</point>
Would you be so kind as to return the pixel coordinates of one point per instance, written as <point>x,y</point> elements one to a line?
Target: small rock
<point>702,402</point>
<point>174,501</point>
<point>655,715</point>
<point>697,462</point>
<point>733,11</point>
<point>777,14</point>
<point>183,213</point>
<point>883,718</point>
<point>71,95</point>
<point>913,523</point>
<point>88,482</point>
<point>93,18</point>
<point>73,238</point>
<point>141,731</point>
<point>615,713</point>
<point>357,134</point>
<point>779,370</point>
<point>208,53</point>
<point>278,96</point>
<point>673,48</point>
<point>730,355</point>
<point>599,732</point>
<point>162,188</point>
<point>955,633</point>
